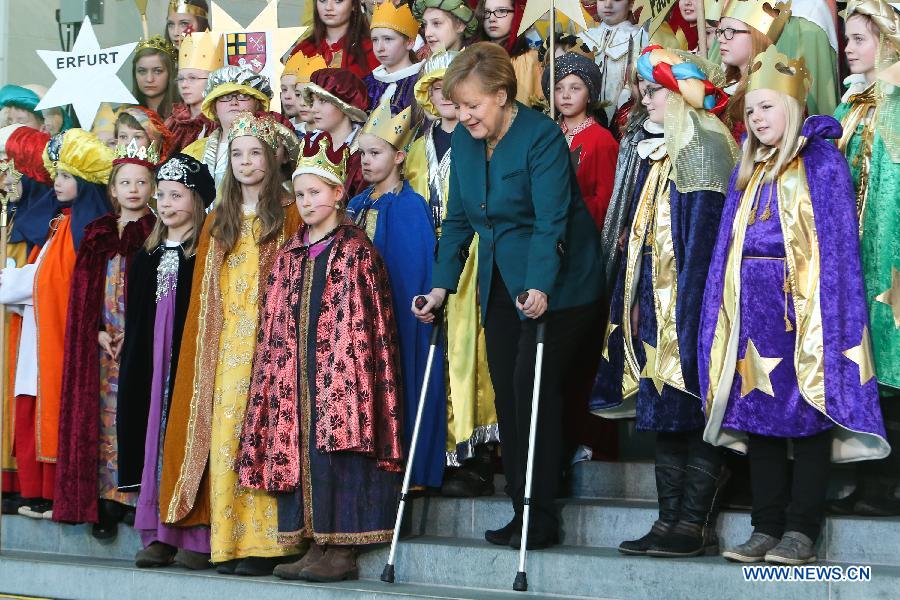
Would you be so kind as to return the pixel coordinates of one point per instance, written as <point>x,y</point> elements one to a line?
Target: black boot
<point>671,458</point>
<point>474,478</point>
<point>695,533</point>
<point>502,536</point>
<point>109,514</point>
<point>877,498</point>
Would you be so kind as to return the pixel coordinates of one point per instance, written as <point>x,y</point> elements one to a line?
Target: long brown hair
<point>161,232</point>
<point>759,43</point>
<point>170,96</point>
<point>202,22</point>
<point>357,31</point>
<point>226,225</point>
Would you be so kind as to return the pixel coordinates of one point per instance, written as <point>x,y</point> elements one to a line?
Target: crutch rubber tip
<point>521,582</point>
<point>387,575</point>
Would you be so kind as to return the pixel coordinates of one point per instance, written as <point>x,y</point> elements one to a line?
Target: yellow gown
<point>244,522</point>
<point>471,415</point>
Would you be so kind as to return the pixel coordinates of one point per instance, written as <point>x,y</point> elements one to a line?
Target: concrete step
<point>600,523</point>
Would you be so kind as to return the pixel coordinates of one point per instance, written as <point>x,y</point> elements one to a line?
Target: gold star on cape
<point>609,331</point>
<point>535,9</point>
<point>266,21</point>
<point>862,356</point>
<point>649,371</point>
<point>755,370</point>
<point>891,296</point>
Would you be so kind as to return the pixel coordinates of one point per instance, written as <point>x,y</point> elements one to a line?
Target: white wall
<point>29,25</point>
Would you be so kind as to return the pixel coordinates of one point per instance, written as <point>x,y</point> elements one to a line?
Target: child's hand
<point>117,344</point>
<point>106,342</point>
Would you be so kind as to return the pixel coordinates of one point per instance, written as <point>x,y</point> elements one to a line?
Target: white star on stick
<point>535,9</point>
<point>86,76</point>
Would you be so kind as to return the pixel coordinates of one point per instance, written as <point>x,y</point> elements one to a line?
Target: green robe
<point>879,248</point>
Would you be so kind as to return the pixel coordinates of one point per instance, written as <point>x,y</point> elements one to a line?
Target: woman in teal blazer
<point>512,183</point>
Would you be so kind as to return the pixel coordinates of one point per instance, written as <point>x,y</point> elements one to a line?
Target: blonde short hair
<point>489,62</point>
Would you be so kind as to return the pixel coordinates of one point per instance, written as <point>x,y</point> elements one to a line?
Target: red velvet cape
<point>79,419</point>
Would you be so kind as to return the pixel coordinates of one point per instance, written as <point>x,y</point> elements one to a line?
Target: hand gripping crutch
<point>521,582</point>
<point>388,574</point>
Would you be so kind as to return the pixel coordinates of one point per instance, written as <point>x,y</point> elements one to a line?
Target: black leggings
<point>782,501</point>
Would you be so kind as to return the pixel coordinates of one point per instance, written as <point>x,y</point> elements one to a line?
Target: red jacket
<point>594,152</point>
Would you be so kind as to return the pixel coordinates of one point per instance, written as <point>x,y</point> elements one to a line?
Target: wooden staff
<point>702,50</point>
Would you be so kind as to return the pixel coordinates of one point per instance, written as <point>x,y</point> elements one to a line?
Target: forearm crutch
<point>521,582</point>
<point>388,574</point>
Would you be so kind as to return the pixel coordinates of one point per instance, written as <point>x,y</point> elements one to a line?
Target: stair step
<point>78,578</point>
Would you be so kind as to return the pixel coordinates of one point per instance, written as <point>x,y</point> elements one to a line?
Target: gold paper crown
<point>712,10</point>
<point>302,66</point>
<point>772,70</point>
<point>158,42</point>
<point>201,50</point>
<point>182,6</point>
<point>328,164</point>
<point>397,131</point>
<point>247,124</point>
<point>135,153</point>
<point>400,19</point>
<point>767,17</point>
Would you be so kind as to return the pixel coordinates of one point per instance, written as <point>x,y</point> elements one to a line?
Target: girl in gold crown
<point>332,458</point>
<point>154,70</point>
<point>235,256</point>
<point>198,56</point>
<point>87,426</point>
<point>394,32</point>
<point>784,352</point>
<point>869,116</point>
<point>185,17</point>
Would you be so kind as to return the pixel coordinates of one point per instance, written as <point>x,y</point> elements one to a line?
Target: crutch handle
<point>522,298</point>
<point>420,302</point>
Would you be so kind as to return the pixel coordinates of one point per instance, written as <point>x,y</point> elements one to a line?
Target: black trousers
<point>783,501</point>
<point>886,470</point>
<point>511,350</point>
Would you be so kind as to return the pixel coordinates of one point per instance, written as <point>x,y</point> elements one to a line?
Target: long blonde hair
<point>160,232</point>
<point>787,147</point>
<point>226,225</point>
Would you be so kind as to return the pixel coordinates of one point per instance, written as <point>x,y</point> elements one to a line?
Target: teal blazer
<point>527,210</point>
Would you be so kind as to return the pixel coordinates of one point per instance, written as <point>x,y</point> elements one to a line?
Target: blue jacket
<point>528,213</point>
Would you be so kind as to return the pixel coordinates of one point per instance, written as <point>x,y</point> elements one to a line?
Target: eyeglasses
<point>649,91</point>
<point>234,97</point>
<point>500,13</point>
<point>728,33</point>
<point>190,78</point>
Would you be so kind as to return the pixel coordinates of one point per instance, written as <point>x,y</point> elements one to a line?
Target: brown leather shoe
<point>156,554</point>
<point>337,564</point>
<point>292,570</point>
<point>195,561</point>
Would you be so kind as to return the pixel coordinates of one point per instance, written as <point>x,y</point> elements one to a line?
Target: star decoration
<point>755,370</point>
<point>862,356</point>
<point>891,296</point>
<point>649,371</point>
<point>535,9</point>
<point>610,327</point>
<point>86,76</point>
<point>282,38</point>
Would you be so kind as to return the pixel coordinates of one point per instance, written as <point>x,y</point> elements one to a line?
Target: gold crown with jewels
<point>134,153</point>
<point>248,124</point>
<point>158,42</point>
<point>183,6</point>
<point>319,157</point>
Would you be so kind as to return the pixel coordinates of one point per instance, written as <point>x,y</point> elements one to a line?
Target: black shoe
<point>228,567</point>
<point>683,540</point>
<point>538,539</point>
<point>844,506</point>
<point>502,536</point>
<point>107,525</point>
<point>128,516</point>
<point>464,482</point>
<point>878,507</point>
<point>36,508</point>
<point>640,546</point>
<point>258,566</point>
<point>12,503</point>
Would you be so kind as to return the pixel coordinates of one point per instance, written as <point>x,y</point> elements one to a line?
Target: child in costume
<point>500,24</point>
<point>472,418</point>
<point>237,248</point>
<point>617,43</point>
<point>80,165</point>
<point>399,224</point>
<point>594,150</point>
<point>340,35</point>
<point>869,116</point>
<point>87,424</point>
<point>199,55</point>
<point>649,364</point>
<point>185,17</point>
<point>154,70</point>
<point>229,91</point>
<point>105,125</point>
<point>784,355</point>
<point>339,101</point>
<point>333,458</point>
<point>394,32</point>
<point>297,72</point>
<point>159,290</point>
<point>143,127</point>
<point>18,104</point>
<point>446,24</point>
